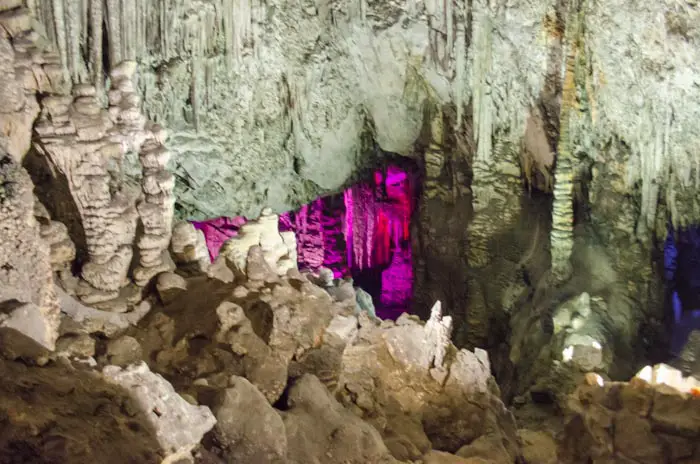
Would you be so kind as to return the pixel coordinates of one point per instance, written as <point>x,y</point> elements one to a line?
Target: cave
<point>363,233</point>
<point>235,231</point>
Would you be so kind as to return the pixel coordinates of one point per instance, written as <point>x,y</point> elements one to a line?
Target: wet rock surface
<point>122,342</point>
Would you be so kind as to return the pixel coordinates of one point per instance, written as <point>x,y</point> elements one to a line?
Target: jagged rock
<point>189,246</point>
<point>178,425</point>
<point>247,426</point>
<point>278,251</point>
<point>452,410</point>
<point>365,303</point>
<point>343,327</point>
<point>169,286</point>
<point>257,267</point>
<point>83,319</point>
<point>343,291</point>
<point>62,394</point>
<point>325,278</point>
<point>320,429</point>
<point>440,457</point>
<point>123,351</point>
<point>487,447</point>
<point>27,294</point>
<point>689,359</point>
<point>220,270</point>
<point>80,345</point>
<point>629,421</point>
<point>538,447</point>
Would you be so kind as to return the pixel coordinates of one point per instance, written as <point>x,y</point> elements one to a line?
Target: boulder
<point>249,429</point>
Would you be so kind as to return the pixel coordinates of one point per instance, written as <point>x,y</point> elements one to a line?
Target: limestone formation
<point>278,248</point>
<point>29,306</point>
<point>690,356</point>
<point>259,440</point>
<point>178,425</point>
<point>87,147</point>
<point>189,247</point>
<point>631,421</point>
<point>338,435</point>
<point>557,141</point>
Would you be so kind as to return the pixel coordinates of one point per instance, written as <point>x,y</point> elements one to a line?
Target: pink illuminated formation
<point>365,233</point>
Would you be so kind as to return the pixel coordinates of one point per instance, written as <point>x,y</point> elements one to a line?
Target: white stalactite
<point>59,25</point>
<point>96,21</point>
<point>482,102</point>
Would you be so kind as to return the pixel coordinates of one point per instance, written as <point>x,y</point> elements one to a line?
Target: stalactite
<point>96,21</point>
<point>562,236</point>
<point>461,85</point>
<point>482,102</point>
<point>449,26</point>
<point>59,19</point>
<point>194,93</point>
<point>115,32</point>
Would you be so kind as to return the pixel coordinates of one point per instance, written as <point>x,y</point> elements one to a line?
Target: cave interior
<point>244,231</point>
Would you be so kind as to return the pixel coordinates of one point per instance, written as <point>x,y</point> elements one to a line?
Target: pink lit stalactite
<point>217,231</point>
<point>333,239</point>
<point>371,230</point>
<point>309,229</point>
<point>348,225</point>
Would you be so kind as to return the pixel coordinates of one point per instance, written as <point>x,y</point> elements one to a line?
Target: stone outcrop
<point>446,401</point>
<point>631,421</point>
<point>134,415</point>
<point>317,425</point>
<point>27,296</point>
<point>178,425</point>
<point>260,440</point>
<point>189,248</point>
<point>279,248</point>
<point>86,150</point>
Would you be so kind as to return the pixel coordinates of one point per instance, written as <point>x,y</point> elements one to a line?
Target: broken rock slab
<point>83,319</point>
<point>169,286</point>
<point>178,425</point>
<point>319,429</point>
<point>28,303</point>
<point>249,428</point>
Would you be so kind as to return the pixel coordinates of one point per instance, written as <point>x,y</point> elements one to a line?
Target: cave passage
<point>682,273</point>
<point>363,233</point>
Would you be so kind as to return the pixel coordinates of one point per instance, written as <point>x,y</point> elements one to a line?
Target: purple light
<point>364,233</point>
<point>682,273</point>
<point>217,231</point>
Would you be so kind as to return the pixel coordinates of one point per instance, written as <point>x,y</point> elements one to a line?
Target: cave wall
<point>272,104</point>
<point>276,97</point>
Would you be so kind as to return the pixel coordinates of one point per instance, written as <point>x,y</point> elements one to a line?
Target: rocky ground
<point>263,364</point>
<point>120,341</point>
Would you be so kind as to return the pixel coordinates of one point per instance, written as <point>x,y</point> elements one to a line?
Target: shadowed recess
<point>682,272</point>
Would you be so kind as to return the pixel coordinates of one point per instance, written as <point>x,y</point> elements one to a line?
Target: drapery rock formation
<point>279,249</point>
<point>557,140</point>
<point>295,125</point>
<point>30,312</point>
<point>405,69</point>
<point>85,148</point>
